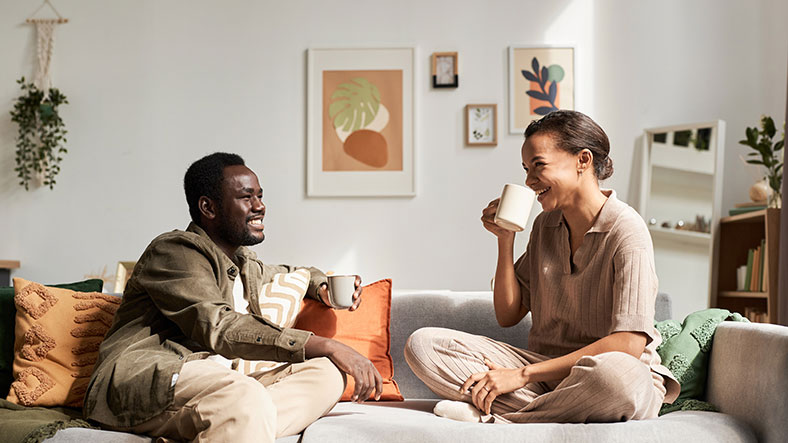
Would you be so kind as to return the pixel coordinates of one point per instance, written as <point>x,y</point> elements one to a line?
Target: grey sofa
<point>747,382</point>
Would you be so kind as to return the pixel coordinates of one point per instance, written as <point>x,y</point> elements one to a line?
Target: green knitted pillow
<point>7,319</point>
<point>685,351</point>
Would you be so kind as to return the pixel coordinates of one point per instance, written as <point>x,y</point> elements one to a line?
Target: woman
<point>587,277</point>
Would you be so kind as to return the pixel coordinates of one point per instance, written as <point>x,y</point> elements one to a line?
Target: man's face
<point>240,215</point>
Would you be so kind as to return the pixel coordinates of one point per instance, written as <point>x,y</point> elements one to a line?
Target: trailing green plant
<point>767,152</point>
<point>40,141</point>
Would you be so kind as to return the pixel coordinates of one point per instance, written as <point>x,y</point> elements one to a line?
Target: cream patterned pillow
<point>280,303</point>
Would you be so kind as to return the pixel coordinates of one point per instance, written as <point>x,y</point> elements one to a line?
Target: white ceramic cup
<point>340,290</point>
<point>514,207</point>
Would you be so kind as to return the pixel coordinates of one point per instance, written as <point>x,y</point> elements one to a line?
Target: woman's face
<point>550,171</point>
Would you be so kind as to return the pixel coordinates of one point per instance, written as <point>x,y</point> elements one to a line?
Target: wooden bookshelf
<point>737,234</point>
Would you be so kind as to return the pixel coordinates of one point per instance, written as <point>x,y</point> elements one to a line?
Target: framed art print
<point>541,80</point>
<point>360,109</point>
<point>481,125</point>
<point>444,70</point>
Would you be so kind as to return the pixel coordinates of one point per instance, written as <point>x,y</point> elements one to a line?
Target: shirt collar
<point>604,221</point>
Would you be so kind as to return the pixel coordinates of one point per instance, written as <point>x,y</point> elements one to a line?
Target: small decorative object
<point>760,191</point>
<point>666,224</point>
<point>680,224</point>
<point>41,134</point>
<point>481,123</point>
<point>541,80</point>
<point>444,70</point>
<point>767,154</point>
<point>702,224</point>
<point>652,222</point>
<point>360,137</point>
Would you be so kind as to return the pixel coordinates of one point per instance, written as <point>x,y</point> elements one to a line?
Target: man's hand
<point>323,293</point>
<point>349,361</point>
<point>486,386</point>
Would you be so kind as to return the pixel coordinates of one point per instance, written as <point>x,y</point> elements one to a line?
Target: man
<point>163,368</point>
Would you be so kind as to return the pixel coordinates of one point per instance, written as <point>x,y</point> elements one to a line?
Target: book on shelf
<point>756,257</point>
<point>762,266</point>
<point>745,210</point>
<point>750,204</point>
<point>748,279</point>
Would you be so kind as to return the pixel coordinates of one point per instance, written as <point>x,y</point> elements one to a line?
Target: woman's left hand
<point>486,386</point>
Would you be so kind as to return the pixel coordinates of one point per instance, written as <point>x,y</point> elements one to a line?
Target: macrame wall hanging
<point>41,138</point>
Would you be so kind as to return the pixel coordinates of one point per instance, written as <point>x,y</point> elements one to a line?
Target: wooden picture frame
<point>481,124</point>
<point>360,122</point>
<point>444,70</point>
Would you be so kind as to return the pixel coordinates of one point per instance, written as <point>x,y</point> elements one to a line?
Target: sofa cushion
<point>7,321</point>
<point>413,420</point>
<point>57,336</point>
<point>366,330</point>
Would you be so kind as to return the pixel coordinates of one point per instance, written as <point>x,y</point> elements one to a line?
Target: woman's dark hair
<point>205,177</point>
<point>574,131</point>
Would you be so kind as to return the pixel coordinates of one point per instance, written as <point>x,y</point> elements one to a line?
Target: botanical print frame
<point>360,119</point>
<point>444,70</point>
<point>541,80</point>
<point>481,125</point>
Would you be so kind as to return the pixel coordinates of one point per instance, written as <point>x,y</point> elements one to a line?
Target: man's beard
<point>238,235</point>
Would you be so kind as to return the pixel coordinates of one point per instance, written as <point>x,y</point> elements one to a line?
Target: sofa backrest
<point>471,312</point>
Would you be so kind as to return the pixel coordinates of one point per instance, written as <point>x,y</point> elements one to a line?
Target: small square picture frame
<point>444,70</point>
<point>481,124</point>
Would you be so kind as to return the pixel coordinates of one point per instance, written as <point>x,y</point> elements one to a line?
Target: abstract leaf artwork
<point>541,80</point>
<point>360,138</point>
<point>544,87</point>
<point>361,113</point>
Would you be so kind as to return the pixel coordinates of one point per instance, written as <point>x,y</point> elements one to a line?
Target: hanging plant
<point>41,136</point>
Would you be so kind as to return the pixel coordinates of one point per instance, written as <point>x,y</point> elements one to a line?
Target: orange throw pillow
<point>57,337</point>
<point>366,330</point>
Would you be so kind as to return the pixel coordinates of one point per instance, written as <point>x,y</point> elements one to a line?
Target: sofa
<point>747,382</point>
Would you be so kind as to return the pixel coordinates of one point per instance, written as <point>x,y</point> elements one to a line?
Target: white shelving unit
<point>682,179</point>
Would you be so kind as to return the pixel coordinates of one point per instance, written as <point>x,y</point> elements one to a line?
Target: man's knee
<point>335,379</point>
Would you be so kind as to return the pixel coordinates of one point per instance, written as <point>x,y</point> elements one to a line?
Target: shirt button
<point>291,342</point>
<point>180,357</point>
<point>259,339</point>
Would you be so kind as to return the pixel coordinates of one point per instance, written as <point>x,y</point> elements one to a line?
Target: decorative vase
<point>760,191</point>
<point>775,200</point>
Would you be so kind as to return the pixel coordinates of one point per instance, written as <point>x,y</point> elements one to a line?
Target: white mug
<point>514,207</point>
<point>340,291</point>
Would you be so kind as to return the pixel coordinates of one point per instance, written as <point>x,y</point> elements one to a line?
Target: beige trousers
<point>608,387</point>
<point>215,404</point>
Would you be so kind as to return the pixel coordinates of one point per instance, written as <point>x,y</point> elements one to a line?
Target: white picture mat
<point>513,129</point>
<point>359,183</point>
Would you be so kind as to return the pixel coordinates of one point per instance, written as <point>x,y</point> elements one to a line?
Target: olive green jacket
<point>177,307</point>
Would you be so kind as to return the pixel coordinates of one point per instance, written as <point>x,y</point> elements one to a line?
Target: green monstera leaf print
<point>354,104</point>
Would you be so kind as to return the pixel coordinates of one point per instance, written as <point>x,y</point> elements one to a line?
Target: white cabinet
<point>681,182</point>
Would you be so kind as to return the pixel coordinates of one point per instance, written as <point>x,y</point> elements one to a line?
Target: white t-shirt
<point>240,306</point>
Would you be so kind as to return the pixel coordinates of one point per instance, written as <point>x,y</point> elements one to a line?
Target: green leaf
<point>755,162</point>
<point>768,126</point>
<point>355,104</point>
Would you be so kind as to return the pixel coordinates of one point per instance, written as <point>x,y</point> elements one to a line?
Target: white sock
<point>458,410</point>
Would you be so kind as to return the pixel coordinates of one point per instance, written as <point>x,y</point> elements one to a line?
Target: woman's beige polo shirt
<point>610,284</point>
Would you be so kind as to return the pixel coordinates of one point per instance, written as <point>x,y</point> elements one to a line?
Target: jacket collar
<point>242,253</point>
<point>603,223</point>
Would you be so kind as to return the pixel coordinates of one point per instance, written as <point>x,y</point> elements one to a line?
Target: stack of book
<point>743,208</point>
<point>755,315</point>
<point>756,275</point>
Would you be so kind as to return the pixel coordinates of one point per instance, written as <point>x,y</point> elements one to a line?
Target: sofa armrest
<point>748,376</point>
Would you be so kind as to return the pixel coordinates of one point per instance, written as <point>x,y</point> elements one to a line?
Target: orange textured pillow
<point>366,330</point>
<point>57,337</point>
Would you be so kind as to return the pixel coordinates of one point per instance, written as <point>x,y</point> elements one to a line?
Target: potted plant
<point>767,153</point>
<point>41,136</point>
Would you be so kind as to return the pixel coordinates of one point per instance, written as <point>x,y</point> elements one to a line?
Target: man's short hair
<point>204,178</point>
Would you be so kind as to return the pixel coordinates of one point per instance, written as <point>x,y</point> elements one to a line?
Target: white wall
<point>154,85</point>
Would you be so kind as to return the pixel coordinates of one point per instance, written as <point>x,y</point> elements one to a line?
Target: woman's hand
<point>488,220</point>
<point>486,386</point>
